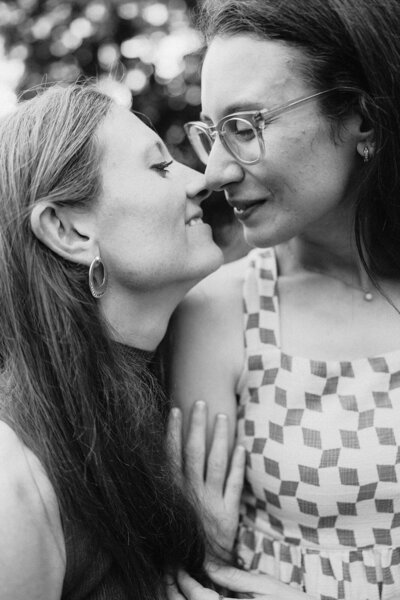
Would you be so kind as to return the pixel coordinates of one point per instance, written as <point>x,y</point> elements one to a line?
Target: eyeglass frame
<point>257,119</point>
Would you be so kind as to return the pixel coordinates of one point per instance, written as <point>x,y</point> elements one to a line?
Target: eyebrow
<point>234,108</point>
<point>157,144</point>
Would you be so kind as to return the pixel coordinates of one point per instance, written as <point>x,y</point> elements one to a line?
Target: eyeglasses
<point>241,133</point>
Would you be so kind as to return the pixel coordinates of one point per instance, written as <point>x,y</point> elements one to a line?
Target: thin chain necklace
<point>367,294</point>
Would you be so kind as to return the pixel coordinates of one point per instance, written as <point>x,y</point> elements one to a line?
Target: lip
<point>243,209</point>
<point>196,215</point>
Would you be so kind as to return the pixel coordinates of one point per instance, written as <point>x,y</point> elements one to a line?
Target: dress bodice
<point>321,509</point>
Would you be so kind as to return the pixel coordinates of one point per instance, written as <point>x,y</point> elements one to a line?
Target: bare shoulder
<point>212,313</point>
<point>23,471</point>
<point>31,539</point>
<point>226,279</point>
<point>217,291</point>
<point>207,342</point>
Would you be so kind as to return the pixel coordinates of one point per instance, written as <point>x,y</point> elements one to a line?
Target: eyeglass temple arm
<point>298,102</point>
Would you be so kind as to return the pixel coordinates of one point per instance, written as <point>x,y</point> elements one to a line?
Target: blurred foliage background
<point>146,54</point>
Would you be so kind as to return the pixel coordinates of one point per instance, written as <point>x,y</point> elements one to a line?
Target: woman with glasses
<point>101,235</point>
<point>299,342</point>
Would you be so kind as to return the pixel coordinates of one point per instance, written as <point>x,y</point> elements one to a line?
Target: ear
<point>67,232</point>
<point>365,135</point>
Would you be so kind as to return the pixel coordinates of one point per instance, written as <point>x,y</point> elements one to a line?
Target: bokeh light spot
<point>81,28</point>
<point>107,55</point>
<point>136,80</point>
<point>96,11</point>
<point>175,135</point>
<point>41,29</point>
<point>8,100</point>
<point>156,14</point>
<point>128,10</point>
<point>193,95</point>
<point>138,47</point>
<point>64,71</point>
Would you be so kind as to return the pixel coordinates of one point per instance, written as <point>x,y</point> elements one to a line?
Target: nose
<point>222,168</point>
<point>196,188</point>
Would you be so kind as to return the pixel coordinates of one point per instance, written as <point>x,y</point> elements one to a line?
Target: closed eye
<point>162,166</point>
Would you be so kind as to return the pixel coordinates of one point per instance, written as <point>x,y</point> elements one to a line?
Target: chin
<point>259,239</point>
<point>216,260</point>
<point>210,261</point>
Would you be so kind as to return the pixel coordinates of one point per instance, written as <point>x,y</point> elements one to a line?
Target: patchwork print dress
<point>321,510</point>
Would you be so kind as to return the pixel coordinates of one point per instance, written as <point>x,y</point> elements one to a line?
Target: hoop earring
<point>366,154</point>
<point>97,289</point>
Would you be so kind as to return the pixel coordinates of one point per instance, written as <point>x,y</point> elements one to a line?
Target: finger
<point>240,581</point>
<point>217,463</point>
<point>193,590</point>
<point>234,482</point>
<point>174,438</point>
<point>172,590</point>
<point>195,447</point>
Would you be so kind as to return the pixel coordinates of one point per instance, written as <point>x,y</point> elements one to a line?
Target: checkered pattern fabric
<point>321,509</point>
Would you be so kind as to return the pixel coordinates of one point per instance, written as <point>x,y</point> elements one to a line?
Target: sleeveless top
<point>321,506</point>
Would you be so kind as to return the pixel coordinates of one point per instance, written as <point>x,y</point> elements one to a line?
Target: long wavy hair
<point>352,43</point>
<point>71,394</point>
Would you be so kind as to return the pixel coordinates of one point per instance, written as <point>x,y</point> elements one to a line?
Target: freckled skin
<point>143,212</point>
<point>305,174</point>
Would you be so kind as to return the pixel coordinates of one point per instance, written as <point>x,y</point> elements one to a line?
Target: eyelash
<point>163,166</point>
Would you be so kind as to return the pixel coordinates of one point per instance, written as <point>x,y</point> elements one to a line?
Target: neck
<point>140,318</point>
<point>332,253</point>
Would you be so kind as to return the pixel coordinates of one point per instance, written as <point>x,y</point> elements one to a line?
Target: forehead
<point>242,71</point>
<point>123,136</point>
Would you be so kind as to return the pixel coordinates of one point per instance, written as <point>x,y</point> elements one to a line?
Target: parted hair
<point>344,43</point>
<point>74,397</point>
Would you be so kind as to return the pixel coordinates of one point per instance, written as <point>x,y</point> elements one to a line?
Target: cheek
<point>144,223</point>
<point>312,160</point>
<point>306,170</point>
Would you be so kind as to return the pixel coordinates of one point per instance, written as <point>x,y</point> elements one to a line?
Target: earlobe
<point>366,149</point>
<point>60,229</point>
<point>366,139</point>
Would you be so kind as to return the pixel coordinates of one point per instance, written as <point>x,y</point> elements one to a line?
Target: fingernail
<point>222,417</point>
<point>175,412</point>
<point>200,405</point>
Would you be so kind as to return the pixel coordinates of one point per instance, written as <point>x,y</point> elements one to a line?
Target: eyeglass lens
<point>201,142</point>
<point>238,136</point>
<point>241,138</point>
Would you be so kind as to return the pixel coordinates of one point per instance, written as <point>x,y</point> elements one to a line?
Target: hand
<point>188,588</point>
<point>216,484</point>
<point>261,587</point>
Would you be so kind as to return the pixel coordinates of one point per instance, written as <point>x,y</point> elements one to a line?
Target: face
<point>148,219</point>
<point>304,178</point>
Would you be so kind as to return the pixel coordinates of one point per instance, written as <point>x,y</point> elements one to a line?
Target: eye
<point>162,166</point>
<point>241,129</point>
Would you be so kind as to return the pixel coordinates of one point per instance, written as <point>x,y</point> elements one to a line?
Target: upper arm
<point>32,551</point>
<point>207,347</point>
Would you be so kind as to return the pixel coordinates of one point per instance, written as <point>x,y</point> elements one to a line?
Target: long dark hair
<point>344,43</point>
<point>74,397</point>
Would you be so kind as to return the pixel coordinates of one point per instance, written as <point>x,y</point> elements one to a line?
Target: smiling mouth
<point>243,209</point>
<point>194,221</point>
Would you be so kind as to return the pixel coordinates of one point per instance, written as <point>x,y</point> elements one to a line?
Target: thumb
<point>238,580</point>
<point>265,586</point>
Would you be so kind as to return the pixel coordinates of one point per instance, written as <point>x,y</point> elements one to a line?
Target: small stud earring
<point>366,154</point>
<point>97,283</point>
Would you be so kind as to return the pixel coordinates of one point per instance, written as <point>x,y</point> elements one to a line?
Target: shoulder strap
<point>261,318</point>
